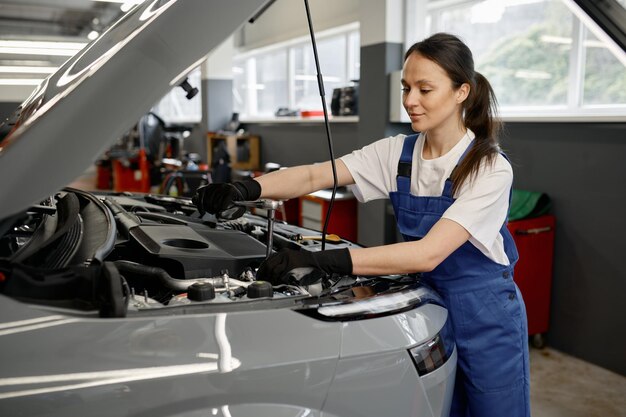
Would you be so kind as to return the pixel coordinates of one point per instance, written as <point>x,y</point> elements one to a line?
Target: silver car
<point>121,304</point>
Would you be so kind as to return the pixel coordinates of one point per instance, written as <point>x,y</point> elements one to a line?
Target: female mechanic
<point>450,187</point>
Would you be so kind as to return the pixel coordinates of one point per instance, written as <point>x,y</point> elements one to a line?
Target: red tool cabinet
<point>343,220</point>
<point>134,177</point>
<point>534,239</point>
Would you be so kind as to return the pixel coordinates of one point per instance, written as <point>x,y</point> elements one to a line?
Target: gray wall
<point>6,109</point>
<point>379,60</point>
<point>286,19</point>
<point>581,167</point>
<point>290,144</point>
<point>217,104</point>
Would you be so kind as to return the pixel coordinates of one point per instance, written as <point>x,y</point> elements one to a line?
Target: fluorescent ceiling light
<point>38,51</point>
<point>25,62</point>
<point>27,70</point>
<point>92,35</point>
<point>76,46</point>
<point>20,81</point>
<point>40,47</point>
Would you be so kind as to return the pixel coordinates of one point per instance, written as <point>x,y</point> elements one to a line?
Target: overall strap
<point>403,178</point>
<point>510,191</point>
<point>447,187</point>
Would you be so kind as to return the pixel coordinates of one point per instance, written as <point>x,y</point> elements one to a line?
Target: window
<point>174,107</point>
<point>268,78</point>
<point>285,76</point>
<point>605,77</point>
<point>538,56</point>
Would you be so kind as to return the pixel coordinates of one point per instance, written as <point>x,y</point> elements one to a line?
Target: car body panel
<point>214,359</point>
<point>200,362</point>
<point>386,385</point>
<point>103,90</point>
<point>386,333</point>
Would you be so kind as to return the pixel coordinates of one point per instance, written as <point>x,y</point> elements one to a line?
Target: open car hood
<point>97,95</point>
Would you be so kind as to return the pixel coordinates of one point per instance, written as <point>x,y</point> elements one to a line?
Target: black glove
<point>218,199</point>
<point>302,267</point>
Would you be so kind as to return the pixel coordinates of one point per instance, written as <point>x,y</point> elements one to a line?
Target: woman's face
<point>428,96</point>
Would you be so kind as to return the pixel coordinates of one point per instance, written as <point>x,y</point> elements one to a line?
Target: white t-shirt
<point>481,205</point>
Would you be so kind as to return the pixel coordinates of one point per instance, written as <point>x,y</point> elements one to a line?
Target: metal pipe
<point>270,206</point>
<point>270,231</point>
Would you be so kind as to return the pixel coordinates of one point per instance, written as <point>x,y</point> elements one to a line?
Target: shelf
<point>297,119</point>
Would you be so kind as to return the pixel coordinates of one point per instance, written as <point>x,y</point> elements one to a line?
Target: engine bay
<point>123,253</point>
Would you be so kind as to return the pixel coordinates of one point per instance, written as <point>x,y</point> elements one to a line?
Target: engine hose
<point>171,283</point>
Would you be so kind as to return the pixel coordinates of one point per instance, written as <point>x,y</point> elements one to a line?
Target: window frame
<point>251,113</point>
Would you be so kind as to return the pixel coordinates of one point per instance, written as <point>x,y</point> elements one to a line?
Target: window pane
<point>521,46</point>
<point>271,82</point>
<point>355,59</point>
<point>175,107</point>
<point>261,80</point>
<point>332,56</point>
<point>240,87</point>
<point>605,75</point>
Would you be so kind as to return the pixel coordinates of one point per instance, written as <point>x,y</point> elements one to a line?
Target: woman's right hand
<point>219,198</point>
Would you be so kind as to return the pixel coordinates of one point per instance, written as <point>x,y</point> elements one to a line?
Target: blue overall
<point>485,306</point>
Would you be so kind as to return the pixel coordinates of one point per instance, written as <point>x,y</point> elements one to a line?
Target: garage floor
<point>564,386</point>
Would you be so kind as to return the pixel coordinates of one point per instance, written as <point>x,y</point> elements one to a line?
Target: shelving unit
<point>244,151</point>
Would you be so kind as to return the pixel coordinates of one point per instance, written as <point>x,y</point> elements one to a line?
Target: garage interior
<point>573,156</point>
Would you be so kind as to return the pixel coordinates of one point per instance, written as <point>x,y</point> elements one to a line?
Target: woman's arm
<point>418,256</point>
<point>301,180</point>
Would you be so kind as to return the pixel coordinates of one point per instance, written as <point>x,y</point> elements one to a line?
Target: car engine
<point>122,253</point>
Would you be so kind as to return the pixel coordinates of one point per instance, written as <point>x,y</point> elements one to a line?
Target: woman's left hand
<point>298,266</point>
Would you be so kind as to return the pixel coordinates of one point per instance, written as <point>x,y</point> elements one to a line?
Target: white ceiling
<point>54,18</point>
<point>44,20</point>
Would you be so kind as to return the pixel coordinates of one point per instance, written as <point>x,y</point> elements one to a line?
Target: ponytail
<point>480,107</point>
<point>480,116</point>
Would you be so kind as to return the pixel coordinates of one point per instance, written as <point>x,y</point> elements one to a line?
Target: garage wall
<point>291,144</point>
<point>286,19</point>
<point>7,108</point>
<point>581,167</point>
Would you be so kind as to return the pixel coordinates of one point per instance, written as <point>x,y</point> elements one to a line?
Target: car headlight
<point>379,305</point>
<point>435,352</point>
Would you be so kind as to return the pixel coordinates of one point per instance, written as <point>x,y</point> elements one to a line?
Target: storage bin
<point>534,238</point>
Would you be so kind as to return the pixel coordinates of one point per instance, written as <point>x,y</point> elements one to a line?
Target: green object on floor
<point>525,204</point>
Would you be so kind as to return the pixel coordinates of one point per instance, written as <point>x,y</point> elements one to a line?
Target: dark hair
<point>480,107</point>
